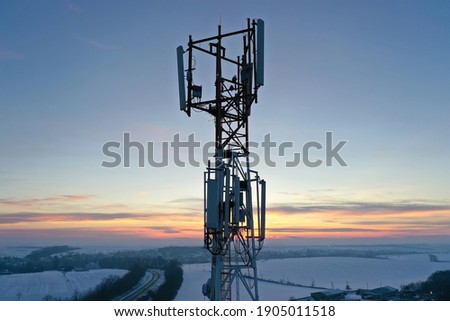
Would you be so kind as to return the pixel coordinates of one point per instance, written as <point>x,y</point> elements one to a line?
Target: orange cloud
<point>151,225</point>
<point>358,219</point>
<point>351,220</point>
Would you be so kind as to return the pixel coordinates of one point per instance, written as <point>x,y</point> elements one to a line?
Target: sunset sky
<point>77,74</point>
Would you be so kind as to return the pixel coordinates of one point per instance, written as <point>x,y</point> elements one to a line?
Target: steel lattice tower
<point>234,194</point>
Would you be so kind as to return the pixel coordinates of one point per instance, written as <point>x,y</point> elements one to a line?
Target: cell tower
<point>234,194</point>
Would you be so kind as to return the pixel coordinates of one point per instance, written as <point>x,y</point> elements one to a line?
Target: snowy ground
<point>324,272</point>
<point>358,272</point>
<point>35,286</point>
<point>196,274</point>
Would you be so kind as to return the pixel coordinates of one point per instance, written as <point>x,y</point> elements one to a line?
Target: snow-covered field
<point>58,285</point>
<point>197,274</point>
<point>324,272</point>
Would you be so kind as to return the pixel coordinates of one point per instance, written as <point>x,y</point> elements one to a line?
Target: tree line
<point>113,286</point>
<point>53,259</point>
<point>436,287</point>
<point>173,275</point>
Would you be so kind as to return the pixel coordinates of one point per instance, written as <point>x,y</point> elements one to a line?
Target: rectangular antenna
<point>262,232</point>
<point>181,84</point>
<point>260,52</point>
<point>212,213</point>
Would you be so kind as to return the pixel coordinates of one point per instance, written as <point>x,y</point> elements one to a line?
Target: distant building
<point>329,295</point>
<point>384,293</point>
<point>306,298</point>
<point>352,296</point>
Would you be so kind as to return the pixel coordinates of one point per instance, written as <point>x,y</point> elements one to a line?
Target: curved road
<point>141,291</point>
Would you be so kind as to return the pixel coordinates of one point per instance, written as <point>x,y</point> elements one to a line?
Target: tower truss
<point>234,194</point>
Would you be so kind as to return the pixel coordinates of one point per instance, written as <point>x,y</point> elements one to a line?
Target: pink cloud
<point>15,218</point>
<point>37,201</point>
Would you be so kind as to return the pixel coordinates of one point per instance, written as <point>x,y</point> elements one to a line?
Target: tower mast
<point>234,194</point>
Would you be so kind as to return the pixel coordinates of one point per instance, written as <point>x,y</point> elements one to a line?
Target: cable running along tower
<point>234,194</point>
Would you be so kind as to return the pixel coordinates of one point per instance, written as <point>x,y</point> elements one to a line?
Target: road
<point>143,290</point>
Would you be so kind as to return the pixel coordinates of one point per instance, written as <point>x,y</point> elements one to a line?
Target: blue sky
<point>76,74</point>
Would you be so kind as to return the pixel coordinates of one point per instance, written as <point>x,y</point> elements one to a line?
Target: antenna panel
<point>260,52</point>
<point>181,84</point>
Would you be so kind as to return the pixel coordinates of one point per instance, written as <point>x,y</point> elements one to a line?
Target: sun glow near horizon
<point>295,220</point>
